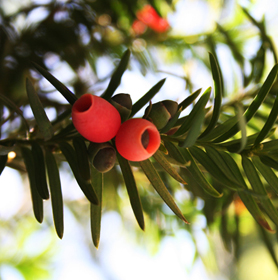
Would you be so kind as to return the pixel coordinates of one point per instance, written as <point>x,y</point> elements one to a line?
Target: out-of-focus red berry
<point>95,118</point>
<point>137,139</point>
<point>149,17</point>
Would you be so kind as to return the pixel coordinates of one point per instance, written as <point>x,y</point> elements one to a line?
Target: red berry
<point>95,118</point>
<point>149,16</point>
<point>137,139</point>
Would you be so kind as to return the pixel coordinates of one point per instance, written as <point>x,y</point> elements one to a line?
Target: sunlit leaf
<point>132,191</point>
<point>242,128</point>
<point>117,76</point>
<point>147,97</point>
<point>161,189</point>
<point>218,84</point>
<point>56,192</point>
<point>269,122</point>
<point>220,129</point>
<point>71,158</point>
<point>39,165</point>
<point>234,146</point>
<point>96,210</point>
<point>69,96</point>
<point>256,103</point>
<point>194,130</point>
<point>271,145</point>
<point>36,198</point>
<point>200,106</point>
<point>43,122</point>
<point>190,99</point>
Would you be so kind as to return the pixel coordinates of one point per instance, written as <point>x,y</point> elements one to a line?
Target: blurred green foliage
<point>222,154</point>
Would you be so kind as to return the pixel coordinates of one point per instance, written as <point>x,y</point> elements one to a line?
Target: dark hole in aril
<point>145,138</point>
<point>84,104</point>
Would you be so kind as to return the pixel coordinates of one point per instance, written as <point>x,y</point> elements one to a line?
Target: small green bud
<point>122,102</point>
<point>102,156</point>
<point>161,112</point>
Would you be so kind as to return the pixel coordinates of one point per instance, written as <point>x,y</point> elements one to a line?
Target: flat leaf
<point>200,106</point>
<point>221,163</point>
<point>71,158</point>
<point>42,120</point>
<point>36,198</point>
<point>117,76</point>
<point>256,103</point>
<point>218,85</point>
<point>270,146</point>
<point>132,191</point>
<point>234,146</point>
<point>190,99</point>
<point>194,130</point>
<point>267,173</point>
<point>160,158</point>
<point>69,96</point>
<point>96,210</point>
<point>159,186</point>
<point>198,175</point>
<point>220,129</point>
<point>171,122</point>
<point>39,165</point>
<point>269,122</point>
<point>247,199</point>
<point>147,97</point>
<point>236,174</point>
<point>257,185</point>
<point>254,210</point>
<point>174,152</point>
<point>56,192</point>
<point>203,158</point>
<point>242,128</point>
<point>82,158</point>
<point>269,161</point>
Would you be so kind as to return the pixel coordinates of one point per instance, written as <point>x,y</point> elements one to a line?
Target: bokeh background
<point>80,42</point>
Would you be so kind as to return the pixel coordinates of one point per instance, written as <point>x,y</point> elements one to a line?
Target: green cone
<point>161,112</point>
<point>122,102</point>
